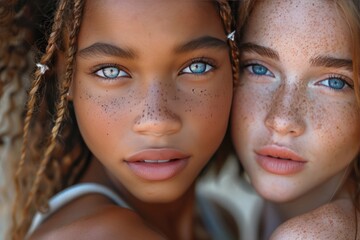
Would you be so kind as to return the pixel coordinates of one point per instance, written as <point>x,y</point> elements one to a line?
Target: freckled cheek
<point>250,105</point>
<point>337,125</point>
<point>209,117</point>
<point>210,104</point>
<point>103,110</point>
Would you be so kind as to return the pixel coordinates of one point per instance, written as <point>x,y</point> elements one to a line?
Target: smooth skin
<point>153,79</point>
<point>295,119</point>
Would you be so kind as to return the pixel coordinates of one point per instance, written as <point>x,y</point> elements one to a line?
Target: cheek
<point>99,113</point>
<point>337,127</point>
<point>209,104</point>
<point>205,115</point>
<point>249,106</point>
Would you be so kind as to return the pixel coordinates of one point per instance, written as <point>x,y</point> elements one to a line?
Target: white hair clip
<point>42,67</point>
<point>231,36</point>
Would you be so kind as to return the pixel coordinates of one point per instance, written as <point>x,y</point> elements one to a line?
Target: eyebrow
<point>331,62</point>
<point>261,50</point>
<point>100,48</point>
<point>200,43</point>
<point>318,61</point>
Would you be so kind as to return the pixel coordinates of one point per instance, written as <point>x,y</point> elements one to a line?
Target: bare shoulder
<point>335,220</point>
<point>112,222</point>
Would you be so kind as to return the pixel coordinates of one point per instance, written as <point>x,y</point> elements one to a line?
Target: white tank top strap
<point>69,194</point>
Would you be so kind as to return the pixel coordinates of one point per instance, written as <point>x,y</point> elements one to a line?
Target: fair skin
<point>153,82</point>
<point>295,116</point>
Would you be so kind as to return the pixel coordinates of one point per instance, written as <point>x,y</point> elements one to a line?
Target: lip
<point>279,160</point>
<point>157,164</point>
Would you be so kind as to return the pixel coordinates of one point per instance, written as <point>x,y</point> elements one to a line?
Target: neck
<point>174,219</point>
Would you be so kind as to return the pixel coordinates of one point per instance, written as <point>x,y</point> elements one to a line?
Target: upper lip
<point>157,154</point>
<point>280,152</point>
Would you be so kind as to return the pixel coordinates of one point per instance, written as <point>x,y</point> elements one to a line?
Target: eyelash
<point>103,67</point>
<point>246,66</point>
<point>330,77</point>
<point>209,66</point>
<point>339,77</point>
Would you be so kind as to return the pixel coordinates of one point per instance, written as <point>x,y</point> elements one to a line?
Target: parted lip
<point>157,154</point>
<point>279,152</point>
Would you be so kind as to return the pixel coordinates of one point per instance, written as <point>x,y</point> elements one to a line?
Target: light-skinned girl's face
<point>295,123</point>
<point>152,91</point>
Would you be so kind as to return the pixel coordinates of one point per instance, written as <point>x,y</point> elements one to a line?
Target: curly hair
<point>59,158</point>
<point>15,62</point>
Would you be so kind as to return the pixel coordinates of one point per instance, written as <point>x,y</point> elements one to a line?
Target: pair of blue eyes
<point>333,82</point>
<point>115,72</point>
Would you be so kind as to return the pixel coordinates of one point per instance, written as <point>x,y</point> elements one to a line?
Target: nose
<point>286,114</point>
<point>156,117</point>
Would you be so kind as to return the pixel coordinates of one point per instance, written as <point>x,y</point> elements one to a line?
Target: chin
<point>161,199</point>
<point>276,193</point>
<point>161,195</point>
<point>277,198</point>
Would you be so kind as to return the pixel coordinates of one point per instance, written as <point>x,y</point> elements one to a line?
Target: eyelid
<point>249,63</point>
<point>348,82</point>
<point>109,65</point>
<point>205,60</point>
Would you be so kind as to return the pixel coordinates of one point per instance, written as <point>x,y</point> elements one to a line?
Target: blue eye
<point>111,72</point>
<point>197,68</point>
<point>258,69</point>
<point>334,83</point>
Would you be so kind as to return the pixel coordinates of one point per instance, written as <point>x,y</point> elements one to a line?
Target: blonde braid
<point>227,20</point>
<point>226,16</point>
<point>20,226</point>
<point>61,106</point>
<point>70,63</point>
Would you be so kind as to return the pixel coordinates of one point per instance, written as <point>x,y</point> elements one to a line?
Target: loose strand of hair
<point>70,61</point>
<point>226,16</point>
<point>351,12</point>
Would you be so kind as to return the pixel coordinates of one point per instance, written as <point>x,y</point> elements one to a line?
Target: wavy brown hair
<point>15,61</point>
<point>54,155</point>
<point>350,10</point>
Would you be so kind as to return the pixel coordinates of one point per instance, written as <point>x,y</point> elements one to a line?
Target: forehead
<point>146,18</point>
<point>308,24</point>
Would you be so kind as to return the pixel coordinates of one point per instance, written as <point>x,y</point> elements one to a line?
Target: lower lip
<point>280,166</point>
<point>158,171</point>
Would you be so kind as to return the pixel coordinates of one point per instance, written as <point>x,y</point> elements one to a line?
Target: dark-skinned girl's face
<point>152,91</point>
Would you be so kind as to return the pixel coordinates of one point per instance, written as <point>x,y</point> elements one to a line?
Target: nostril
<point>157,122</point>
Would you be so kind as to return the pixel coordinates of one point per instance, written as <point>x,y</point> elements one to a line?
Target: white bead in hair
<point>42,67</point>
<point>231,36</point>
